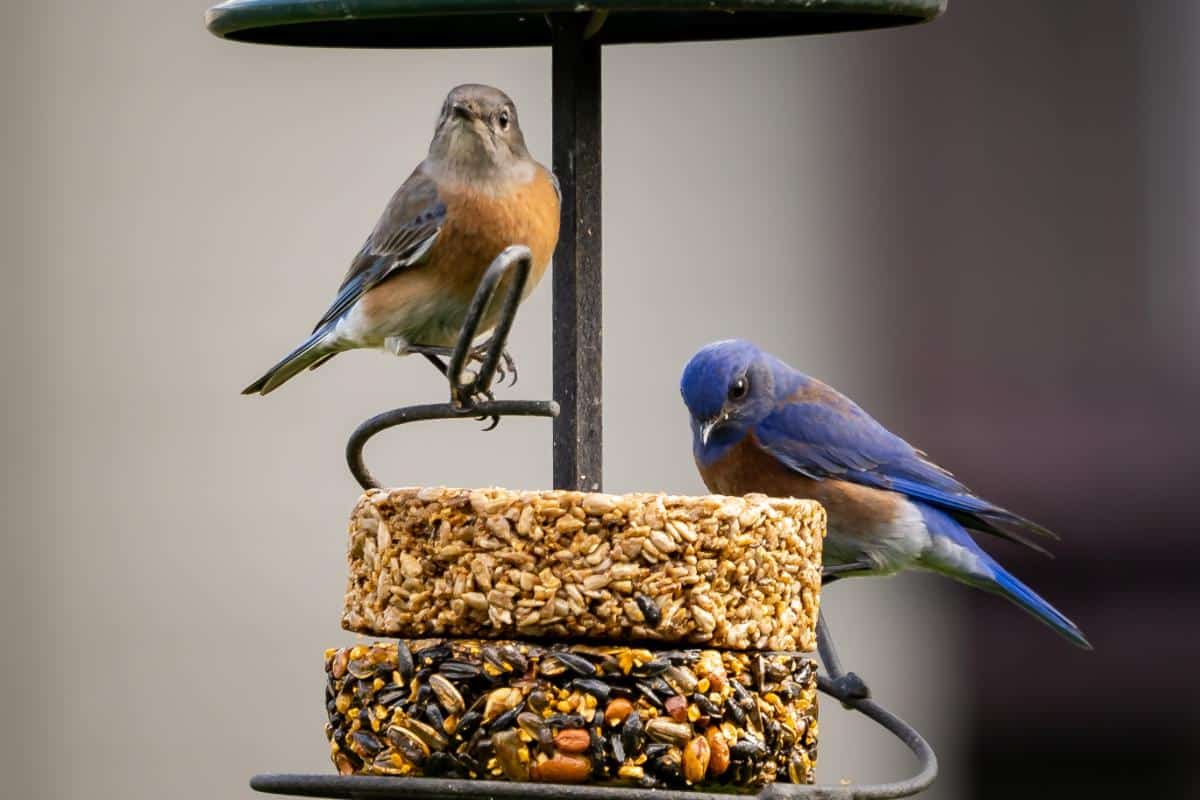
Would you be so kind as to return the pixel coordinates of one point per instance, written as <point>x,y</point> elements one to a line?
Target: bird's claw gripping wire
<point>470,390</point>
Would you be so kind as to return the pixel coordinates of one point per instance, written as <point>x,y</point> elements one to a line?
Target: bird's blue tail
<point>1007,585</point>
<point>963,559</point>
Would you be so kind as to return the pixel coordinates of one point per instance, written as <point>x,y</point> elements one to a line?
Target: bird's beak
<point>707,428</point>
<point>461,111</point>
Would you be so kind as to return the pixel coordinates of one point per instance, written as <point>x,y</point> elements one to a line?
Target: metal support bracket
<point>576,275</point>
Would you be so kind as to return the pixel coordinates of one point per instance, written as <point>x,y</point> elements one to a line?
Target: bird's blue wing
<point>401,239</point>
<point>825,435</point>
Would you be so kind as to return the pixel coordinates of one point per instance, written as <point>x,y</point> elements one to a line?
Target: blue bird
<point>758,425</point>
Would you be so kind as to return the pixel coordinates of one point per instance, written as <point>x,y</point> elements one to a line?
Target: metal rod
<point>399,416</point>
<point>577,320</point>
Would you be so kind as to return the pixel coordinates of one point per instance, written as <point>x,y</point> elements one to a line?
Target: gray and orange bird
<point>477,192</point>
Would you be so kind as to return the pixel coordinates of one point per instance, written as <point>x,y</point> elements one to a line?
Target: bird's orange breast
<point>479,226</point>
<point>746,468</point>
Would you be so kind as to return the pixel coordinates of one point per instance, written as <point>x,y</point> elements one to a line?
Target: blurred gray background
<point>983,229</point>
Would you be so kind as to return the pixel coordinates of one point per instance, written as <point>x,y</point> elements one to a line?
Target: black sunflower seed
<point>505,720</point>
<point>610,665</point>
<point>408,745</point>
<point>440,764</point>
<point>565,721</point>
<point>651,668</point>
<point>575,663</point>
<point>369,742</point>
<point>789,691</point>
<point>771,731</point>
<point>632,733</point>
<point>618,749</point>
<point>537,701</point>
<point>735,712</point>
<point>656,750</point>
<point>434,716</point>
<point>391,695</point>
<point>513,656</point>
<point>747,747</point>
<point>431,656</point>
<point>546,740</point>
<point>743,697</point>
<point>491,655</point>
<point>459,670</point>
<point>596,744</point>
<point>649,693</point>
<point>468,724</point>
<point>596,688</point>
<point>649,610</point>
<point>404,661</point>
<point>705,705</point>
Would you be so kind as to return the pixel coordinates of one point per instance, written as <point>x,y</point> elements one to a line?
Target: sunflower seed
<point>447,695</point>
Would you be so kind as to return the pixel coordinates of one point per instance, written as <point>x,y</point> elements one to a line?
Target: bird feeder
<point>576,33</point>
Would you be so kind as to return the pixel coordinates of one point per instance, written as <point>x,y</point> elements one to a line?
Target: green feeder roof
<point>522,23</point>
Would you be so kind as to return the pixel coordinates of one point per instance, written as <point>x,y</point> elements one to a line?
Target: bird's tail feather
<point>959,556</point>
<point>316,349</point>
<point>1005,584</point>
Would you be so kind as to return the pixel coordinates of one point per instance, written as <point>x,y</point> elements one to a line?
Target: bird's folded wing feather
<point>846,443</point>
<point>407,229</point>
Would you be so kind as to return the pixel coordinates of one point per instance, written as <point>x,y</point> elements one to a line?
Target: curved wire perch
<point>399,416</point>
<point>517,261</point>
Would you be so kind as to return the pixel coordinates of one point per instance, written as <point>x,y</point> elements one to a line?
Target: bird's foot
<point>469,396</point>
<point>476,355</point>
<point>433,353</point>
<point>506,366</point>
<point>833,572</point>
<point>465,396</point>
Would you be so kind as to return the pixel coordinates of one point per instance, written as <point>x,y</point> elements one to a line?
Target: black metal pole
<point>577,377</point>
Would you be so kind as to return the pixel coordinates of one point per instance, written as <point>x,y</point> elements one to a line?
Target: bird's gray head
<point>477,135</point>
<point>728,387</point>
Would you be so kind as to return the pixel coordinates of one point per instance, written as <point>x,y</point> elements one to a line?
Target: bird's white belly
<point>356,330</point>
<point>890,546</point>
<point>902,543</point>
<point>425,321</point>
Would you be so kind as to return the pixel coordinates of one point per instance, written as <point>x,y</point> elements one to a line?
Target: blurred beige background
<point>177,210</point>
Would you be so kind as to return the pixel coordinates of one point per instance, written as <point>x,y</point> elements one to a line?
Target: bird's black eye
<point>738,389</point>
<point>502,119</point>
